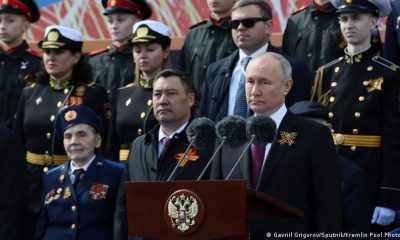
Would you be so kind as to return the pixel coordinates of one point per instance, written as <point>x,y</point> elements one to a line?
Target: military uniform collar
<point>125,49</point>
<point>224,25</point>
<point>329,8</point>
<point>359,57</point>
<point>146,83</point>
<point>57,85</point>
<point>17,51</point>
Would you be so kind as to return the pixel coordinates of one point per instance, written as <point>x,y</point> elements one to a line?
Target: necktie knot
<point>78,174</point>
<point>244,62</point>
<point>165,141</point>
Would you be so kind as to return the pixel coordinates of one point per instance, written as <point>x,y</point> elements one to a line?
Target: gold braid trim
<point>316,90</point>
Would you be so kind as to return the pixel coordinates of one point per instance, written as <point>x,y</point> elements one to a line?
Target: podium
<point>191,210</point>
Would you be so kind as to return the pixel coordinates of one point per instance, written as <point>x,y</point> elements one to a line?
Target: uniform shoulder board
<point>97,52</point>
<point>331,63</point>
<point>127,86</point>
<point>198,24</point>
<point>34,53</point>
<point>386,63</point>
<point>299,10</point>
<point>91,84</point>
<point>58,168</point>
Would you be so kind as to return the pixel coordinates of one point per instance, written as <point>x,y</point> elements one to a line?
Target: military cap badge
<point>70,115</point>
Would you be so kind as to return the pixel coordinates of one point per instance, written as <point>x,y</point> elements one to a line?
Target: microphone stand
<point>212,158</point>
<point>241,156</point>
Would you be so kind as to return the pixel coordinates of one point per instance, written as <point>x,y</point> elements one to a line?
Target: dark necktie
<point>257,159</point>
<point>240,101</point>
<point>78,175</point>
<point>165,142</point>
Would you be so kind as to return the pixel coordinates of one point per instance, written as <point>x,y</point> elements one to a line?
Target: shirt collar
<point>278,115</point>
<point>72,168</point>
<point>161,133</point>
<point>257,53</point>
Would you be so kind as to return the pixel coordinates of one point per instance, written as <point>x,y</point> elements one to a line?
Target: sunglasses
<point>247,22</point>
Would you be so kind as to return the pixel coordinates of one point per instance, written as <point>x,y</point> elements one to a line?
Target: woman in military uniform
<point>64,81</point>
<point>133,114</point>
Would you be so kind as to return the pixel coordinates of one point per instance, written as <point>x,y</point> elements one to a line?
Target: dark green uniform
<point>362,95</point>
<point>113,67</point>
<point>34,123</point>
<point>17,67</point>
<point>204,44</point>
<point>313,36</point>
<point>132,116</point>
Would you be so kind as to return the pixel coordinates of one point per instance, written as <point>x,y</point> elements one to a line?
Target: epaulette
<point>386,63</point>
<point>34,53</point>
<point>55,169</point>
<point>91,84</point>
<point>299,10</point>
<point>115,164</point>
<point>127,86</point>
<point>332,62</point>
<point>198,24</point>
<point>97,52</point>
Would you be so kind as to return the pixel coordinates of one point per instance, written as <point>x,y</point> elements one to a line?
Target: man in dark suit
<point>154,155</point>
<point>300,167</point>
<point>79,196</point>
<point>222,93</point>
<point>13,188</point>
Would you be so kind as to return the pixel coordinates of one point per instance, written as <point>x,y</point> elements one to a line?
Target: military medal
<point>49,197</point>
<point>62,177</point>
<point>98,191</point>
<point>24,65</point>
<point>67,193</point>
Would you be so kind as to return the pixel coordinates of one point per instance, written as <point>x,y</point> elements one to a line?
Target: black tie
<point>78,174</point>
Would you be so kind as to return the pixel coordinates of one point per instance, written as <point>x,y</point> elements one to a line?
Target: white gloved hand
<point>383,216</point>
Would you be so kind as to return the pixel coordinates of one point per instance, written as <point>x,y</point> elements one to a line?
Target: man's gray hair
<point>285,69</point>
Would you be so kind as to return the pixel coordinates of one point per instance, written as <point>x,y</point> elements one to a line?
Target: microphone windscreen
<point>233,128</point>
<point>262,127</point>
<point>204,131</point>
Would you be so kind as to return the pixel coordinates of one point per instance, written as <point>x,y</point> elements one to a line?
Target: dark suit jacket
<point>90,208</point>
<point>214,95</point>
<point>305,175</point>
<point>13,186</point>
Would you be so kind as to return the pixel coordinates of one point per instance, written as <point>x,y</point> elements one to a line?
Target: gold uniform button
<point>361,98</point>
<point>333,84</point>
<point>357,114</point>
<point>52,118</point>
<point>149,103</point>
<point>337,69</point>
<point>142,115</point>
<point>73,208</point>
<point>66,91</point>
<point>73,226</point>
<point>48,135</point>
<point>355,131</point>
<point>353,148</point>
<point>59,104</point>
<point>332,131</point>
<point>139,131</point>
<point>365,83</point>
<point>330,114</point>
<point>370,68</point>
<point>339,139</point>
<point>331,99</point>
<point>45,169</point>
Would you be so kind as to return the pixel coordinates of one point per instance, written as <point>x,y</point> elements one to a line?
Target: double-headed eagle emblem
<point>182,210</point>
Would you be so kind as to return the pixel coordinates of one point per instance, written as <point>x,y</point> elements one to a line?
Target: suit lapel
<point>90,175</point>
<point>277,150</point>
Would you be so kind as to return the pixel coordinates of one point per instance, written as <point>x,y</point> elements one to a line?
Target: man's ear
<point>97,141</point>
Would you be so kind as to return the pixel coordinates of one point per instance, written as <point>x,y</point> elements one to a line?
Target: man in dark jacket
<point>208,41</point>
<point>155,154</point>
<point>223,90</point>
<point>392,36</point>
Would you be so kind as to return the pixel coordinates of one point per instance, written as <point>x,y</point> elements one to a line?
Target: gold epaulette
<point>386,63</point>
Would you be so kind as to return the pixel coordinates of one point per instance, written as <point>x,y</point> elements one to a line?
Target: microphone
<point>230,130</point>
<point>261,130</point>
<point>200,133</point>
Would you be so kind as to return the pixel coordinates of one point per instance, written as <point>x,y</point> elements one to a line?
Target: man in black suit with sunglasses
<point>222,93</point>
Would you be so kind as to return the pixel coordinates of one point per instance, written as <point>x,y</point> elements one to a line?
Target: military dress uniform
<point>205,43</point>
<point>17,65</point>
<point>313,36</point>
<point>113,67</point>
<point>362,96</point>
<point>34,122</point>
<point>132,116</point>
